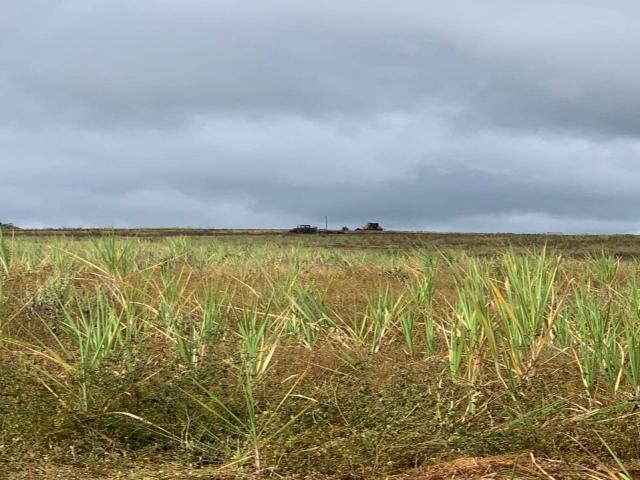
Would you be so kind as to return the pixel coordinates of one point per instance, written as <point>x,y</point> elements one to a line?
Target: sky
<point>448,116</point>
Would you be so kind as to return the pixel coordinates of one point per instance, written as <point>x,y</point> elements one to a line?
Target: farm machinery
<point>370,227</point>
<point>308,229</point>
<point>304,229</point>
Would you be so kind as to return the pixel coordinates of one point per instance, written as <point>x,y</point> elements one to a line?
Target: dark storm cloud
<point>469,115</point>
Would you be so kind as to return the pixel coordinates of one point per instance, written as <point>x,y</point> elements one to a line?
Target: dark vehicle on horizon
<point>370,227</point>
<point>304,229</point>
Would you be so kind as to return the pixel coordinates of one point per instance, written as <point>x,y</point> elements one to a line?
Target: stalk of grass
<point>2,304</point>
<point>429,344</point>
<point>214,311</point>
<point>257,346</point>
<point>407,323</point>
<point>561,329</point>
<point>590,332</point>
<point>59,258</point>
<point>258,342</point>
<point>116,256</point>
<point>632,350</point>
<point>255,427</point>
<point>173,294</point>
<point>178,247</point>
<point>465,337</point>
<point>423,289</point>
<point>603,268</point>
<point>6,252</point>
<point>194,337</point>
<point>308,313</point>
<point>422,292</point>
<point>631,331</point>
<point>132,300</point>
<point>624,472</point>
<point>191,328</point>
<point>382,312</point>
<point>358,331</point>
<point>97,332</point>
<point>457,348</point>
<point>597,348</point>
<point>526,309</point>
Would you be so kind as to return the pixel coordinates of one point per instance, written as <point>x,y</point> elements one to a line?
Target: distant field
<point>476,243</point>
<point>236,354</point>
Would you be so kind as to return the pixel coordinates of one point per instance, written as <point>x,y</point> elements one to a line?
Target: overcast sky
<point>459,115</point>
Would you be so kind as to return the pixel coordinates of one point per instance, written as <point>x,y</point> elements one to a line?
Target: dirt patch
<point>501,467</point>
<point>522,466</point>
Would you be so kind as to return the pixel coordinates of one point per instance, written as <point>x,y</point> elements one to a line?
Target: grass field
<point>175,354</point>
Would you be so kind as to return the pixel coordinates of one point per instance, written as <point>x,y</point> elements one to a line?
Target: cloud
<point>459,116</point>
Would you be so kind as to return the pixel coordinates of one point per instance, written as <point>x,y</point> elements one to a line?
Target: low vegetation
<point>236,356</point>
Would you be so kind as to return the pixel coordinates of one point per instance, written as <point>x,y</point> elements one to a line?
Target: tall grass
<point>602,268</point>
<point>250,335</point>
<point>597,349</point>
<point>631,329</point>
<point>466,335</point>
<point>422,292</point>
<point>253,426</point>
<point>116,256</point>
<point>91,333</point>
<point>505,321</point>
<point>194,337</point>
<point>258,342</point>
<point>382,314</point>
<point>308,316</point>
<point>526,307</point>
<point>407,326</point>
<point>258,339</point>
<point>96,330</point>
<point>6,252</point>
<point>3,301</point>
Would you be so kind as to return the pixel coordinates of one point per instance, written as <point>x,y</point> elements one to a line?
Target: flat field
<point>218,354</point>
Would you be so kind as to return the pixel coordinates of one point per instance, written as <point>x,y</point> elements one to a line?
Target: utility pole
<point>326,222</point>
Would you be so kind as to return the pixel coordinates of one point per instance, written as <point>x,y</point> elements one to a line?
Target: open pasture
<point>339,356</point>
